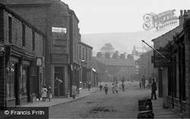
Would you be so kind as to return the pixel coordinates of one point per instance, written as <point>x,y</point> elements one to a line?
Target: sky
<point>107,16</point>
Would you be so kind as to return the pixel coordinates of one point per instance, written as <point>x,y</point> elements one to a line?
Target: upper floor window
<point>33,40</point>
<point>23,35</point>
<point>10,29</point>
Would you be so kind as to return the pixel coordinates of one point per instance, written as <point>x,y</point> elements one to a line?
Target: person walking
<point>100,87</point>
<point>143,81</point>
<point>74,91</point>
<point>116,87</point>
<point>49,92</point>
<point>123,86</point>
<point>113,88</point>
<point>154,88</point>
<point>106,89</point>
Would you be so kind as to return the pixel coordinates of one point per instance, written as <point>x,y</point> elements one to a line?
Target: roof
<point>86,45</point>
<point>178,29</point>
<point>116,62</point>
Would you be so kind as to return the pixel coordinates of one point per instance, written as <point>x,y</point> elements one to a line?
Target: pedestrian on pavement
<point>49,92</point>
<point>44,93</point>
<point>89,86</point>
<point>100,87</point>
<point>74,91</point>
<point>123,86</point>
<point>116,87</point>
<point>106,89</point>
<point>154,88</point>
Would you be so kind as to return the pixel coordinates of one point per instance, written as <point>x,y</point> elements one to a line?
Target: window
<point>10,29</point>
<point>23,35</point>
<point>33,40</point>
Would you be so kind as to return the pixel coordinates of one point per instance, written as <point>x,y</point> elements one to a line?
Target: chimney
<point>181,13</point>
<point>188,12</point>
<point>185,12</point>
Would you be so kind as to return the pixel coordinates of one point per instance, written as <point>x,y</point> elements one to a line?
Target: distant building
<point>145,66</point>
<point>117,68</point>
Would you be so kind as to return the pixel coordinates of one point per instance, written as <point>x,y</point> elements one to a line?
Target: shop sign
<point>160,21</point>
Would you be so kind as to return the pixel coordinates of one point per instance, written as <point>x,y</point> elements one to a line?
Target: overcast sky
<point>97,16</point>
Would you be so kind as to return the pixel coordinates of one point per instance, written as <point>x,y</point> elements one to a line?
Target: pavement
<point>56,101</point>
<point>160,112</point>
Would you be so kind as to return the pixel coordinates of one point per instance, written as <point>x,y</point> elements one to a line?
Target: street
<point>99,105</point>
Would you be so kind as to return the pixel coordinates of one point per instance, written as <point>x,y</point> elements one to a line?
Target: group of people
<point>46,93</point>
<point>115,87</point>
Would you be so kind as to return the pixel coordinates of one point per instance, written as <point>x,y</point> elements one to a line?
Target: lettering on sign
<point>159,21</point>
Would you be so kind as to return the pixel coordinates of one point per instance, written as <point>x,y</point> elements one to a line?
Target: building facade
<point>88,73</point>
<point>60,25</point>
<point>174,66</point>
<point>145,67</point>
<point>21,56</point>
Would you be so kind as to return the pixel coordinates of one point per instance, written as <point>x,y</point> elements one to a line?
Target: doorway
<point>59,88</point>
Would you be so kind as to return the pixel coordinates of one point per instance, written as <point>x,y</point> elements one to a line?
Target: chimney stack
<point>181,13</point>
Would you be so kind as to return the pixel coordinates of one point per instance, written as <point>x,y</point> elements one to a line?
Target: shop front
<point>18,66</point>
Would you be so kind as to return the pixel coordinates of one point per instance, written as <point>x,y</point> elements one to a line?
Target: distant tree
<point>99,54</point>
<point>107,48</point>
<point>115,55</point>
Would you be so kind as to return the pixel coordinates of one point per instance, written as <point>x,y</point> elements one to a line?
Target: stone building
<point>60,25</point>
<point>87,71</point>
<point>173,67</point>
<point>117,68</point>
<point>21,59</point>
<point>146,67</point>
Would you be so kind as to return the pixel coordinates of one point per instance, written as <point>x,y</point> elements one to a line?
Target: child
<point>106,89</point>
<point>44,93</point>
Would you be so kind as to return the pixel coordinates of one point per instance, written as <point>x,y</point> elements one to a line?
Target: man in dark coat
<point>154,88</point>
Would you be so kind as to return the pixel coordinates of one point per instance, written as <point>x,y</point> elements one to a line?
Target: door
<point>59,88</point>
